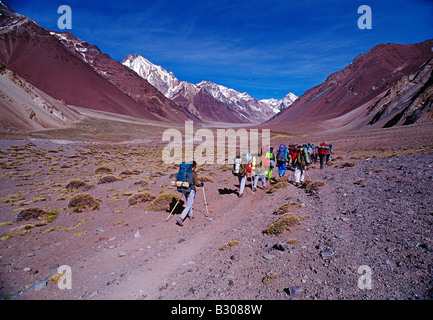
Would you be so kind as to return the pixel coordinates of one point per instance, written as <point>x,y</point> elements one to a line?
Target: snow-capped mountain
<point>207,100</point>
<point>71,70</point>
<point>157,76</point>
<point>280,104</point>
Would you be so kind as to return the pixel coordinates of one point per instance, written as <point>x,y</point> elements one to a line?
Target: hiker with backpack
<point>292,155</point>
<point>323,151</point>
<point>259,163</point>
<point>189,191</point>
<point>269,154</point>
<point>328,156</point>
<point>302,160</point>
<point>282,158</point>
<point>241,168</point>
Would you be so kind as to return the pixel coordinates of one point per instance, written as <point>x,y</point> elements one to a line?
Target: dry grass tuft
<point>141,197</point>
<point>103,169</point>
<point>312,187</point>
<point>269,277</point>
<point>76,184</point>
<point>284,208</point>
<point>229,244</point>
<point>347,164</point>
<point>359,181</point>
<point>108,179</point>
<point>128,172</point>
<point>30,213</point>
<point>205,179</point>
<point>163,202</point>
<point>278,185</point>
<point>285,222</point>
<point>82,200</point>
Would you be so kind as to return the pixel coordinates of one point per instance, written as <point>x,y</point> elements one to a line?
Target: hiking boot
<point>254,189</point>
<point>240,195</point>
<point>191,218</point>
<point>179,222</point>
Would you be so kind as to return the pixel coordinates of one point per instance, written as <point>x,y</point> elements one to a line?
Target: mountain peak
<point>205,95</point>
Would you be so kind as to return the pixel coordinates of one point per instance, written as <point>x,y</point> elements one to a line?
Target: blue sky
<point>267,48</point>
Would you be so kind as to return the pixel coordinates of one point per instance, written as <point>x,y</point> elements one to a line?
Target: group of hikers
<point>259,165</point>
<point>295,157</point>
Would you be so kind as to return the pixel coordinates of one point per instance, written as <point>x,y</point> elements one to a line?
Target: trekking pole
<point>291,174</point>
<point>205,202</point>
<point>174,207</point>
<point>307,173</point>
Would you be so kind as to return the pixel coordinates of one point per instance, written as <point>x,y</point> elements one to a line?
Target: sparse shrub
<point>157,174</point>
<point>285,222</point>
<point>278,185</point>
<point>312,187</point>
<point>162,202</point>
<point>229,244</point>
<point>359,181</point>
<point>128,172</point>
<point>30,213</point>
<point>205,179</point>
<point>82,200</point>
<point>141,183</point>
<point>269,277</point>
<point>108,179</point>
<point>347,164</point>
<point>284,208</point>
<point>76,184</point>
<point>103,169</point>
<point>141,197</point>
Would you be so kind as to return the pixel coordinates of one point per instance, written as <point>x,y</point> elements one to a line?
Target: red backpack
<point>323,149</point>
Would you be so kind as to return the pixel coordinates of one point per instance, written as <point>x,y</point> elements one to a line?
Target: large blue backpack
<point>184,179</point>
<point>282,153</point>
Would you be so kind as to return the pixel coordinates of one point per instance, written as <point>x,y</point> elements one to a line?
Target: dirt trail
<point>372,208</point>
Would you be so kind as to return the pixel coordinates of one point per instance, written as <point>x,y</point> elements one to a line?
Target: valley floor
<point>362,229</point>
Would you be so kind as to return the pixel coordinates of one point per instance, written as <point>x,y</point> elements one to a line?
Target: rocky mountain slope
<point>207,100</point>
<point>26,108</point>
<point>71,70</point>
<point>389,85</point>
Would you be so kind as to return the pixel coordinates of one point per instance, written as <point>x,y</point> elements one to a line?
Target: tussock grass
<point>30,213</point>
<point>103,169</point>
<point>269,277</point>
<point>205,179</point>
<point>347,164</point>
<point>128,172</point>
<point>163,202</point>
<point>285,222</point>
<point>76,184</point>
<point>284,208</point>
<point>229,244</point>
<point>312,187</point>
<point>141,197</point>
<point>359,181</point>
<point>108,179</point>
<point>278,185</point>
<point>82,200</point>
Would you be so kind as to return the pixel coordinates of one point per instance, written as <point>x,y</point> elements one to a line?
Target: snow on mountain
<point>157,76</point>
<point>244,107</point>
<point>280,104</point>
